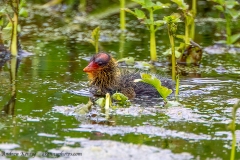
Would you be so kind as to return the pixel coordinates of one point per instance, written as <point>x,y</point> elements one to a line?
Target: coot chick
<point>106,77</point>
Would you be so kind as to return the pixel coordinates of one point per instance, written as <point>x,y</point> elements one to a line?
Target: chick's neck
<point>107,77</point>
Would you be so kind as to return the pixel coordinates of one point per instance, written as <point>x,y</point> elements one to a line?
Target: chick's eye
<point>100,63</point>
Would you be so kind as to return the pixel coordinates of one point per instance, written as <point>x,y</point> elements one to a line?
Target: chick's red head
<point>97,63</point>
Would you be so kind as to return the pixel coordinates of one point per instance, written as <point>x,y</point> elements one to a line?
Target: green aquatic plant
<point>177,85</point>
<point>153,25</point>
<point>95,38</point>
<point>189,16</point>
<point>156,83</point>
<point>107,104</point>
<point>192,25</point>
<point>82,109</point>
<point>122,15</point>
<point>119,98</point>
<point>12,10</point>
<point>190,51</point>
<point>227,7</point>
<point>232,127</point>
<point>172,21</point>
<point>13,46</point>
<point>128,61</point>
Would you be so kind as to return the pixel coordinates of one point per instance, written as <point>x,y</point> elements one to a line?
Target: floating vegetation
<point>149,79</point>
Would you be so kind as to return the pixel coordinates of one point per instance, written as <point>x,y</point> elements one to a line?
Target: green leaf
<point>100,102</point>
<point>82,109</point>
<point>129,11</point>
<point>22,4</point>
<point>230,4</point>
<point>141,2</point>
<point>91,41</point>
<point>180,37</point>
<point>178,2</point>
<point>234,13</point>
<point>221,2</point>
<point>148,22</point>
<point>95,37</point>
<point>156,83</point>
<point>145,76</point>
<point>143,65</point>
<point>127,60</point>
<point>160,5</point>
<point>181,4</point>
<point>177,53</point>
<point>140,14</point>
<point>183,37</point>
<point>148,4</point>
<point>173,18</point>
<point>23,12</point>
<point>96,33</point>
<point>159,23</point>
<point>219,7</point>
<point>169,52</point>
<point>235,37</point>
<point>119,97</point>
<point>164,91</point>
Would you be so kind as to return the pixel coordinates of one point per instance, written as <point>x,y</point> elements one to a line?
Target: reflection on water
<point>9,107</point>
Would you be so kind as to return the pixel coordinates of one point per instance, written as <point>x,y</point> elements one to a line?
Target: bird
<point>106,77</point>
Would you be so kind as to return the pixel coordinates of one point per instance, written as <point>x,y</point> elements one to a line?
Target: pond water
<point>197,129</point>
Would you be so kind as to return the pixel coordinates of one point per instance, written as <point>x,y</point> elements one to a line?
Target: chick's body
<point>106,77</point>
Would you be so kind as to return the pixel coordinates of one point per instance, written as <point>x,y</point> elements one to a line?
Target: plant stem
<point>194,12</point>
<point>122,15</point>
<point>14,50</point>
<point>177,85</point>
<point>82,5</point>
<point>186,31</point>
<point>121,45</point>
<point>153,52</point>
<point>107,105</point>
<point>96,47</point>
<point>173,57</point>
<point>228,29</point>
<point>233,127</point>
